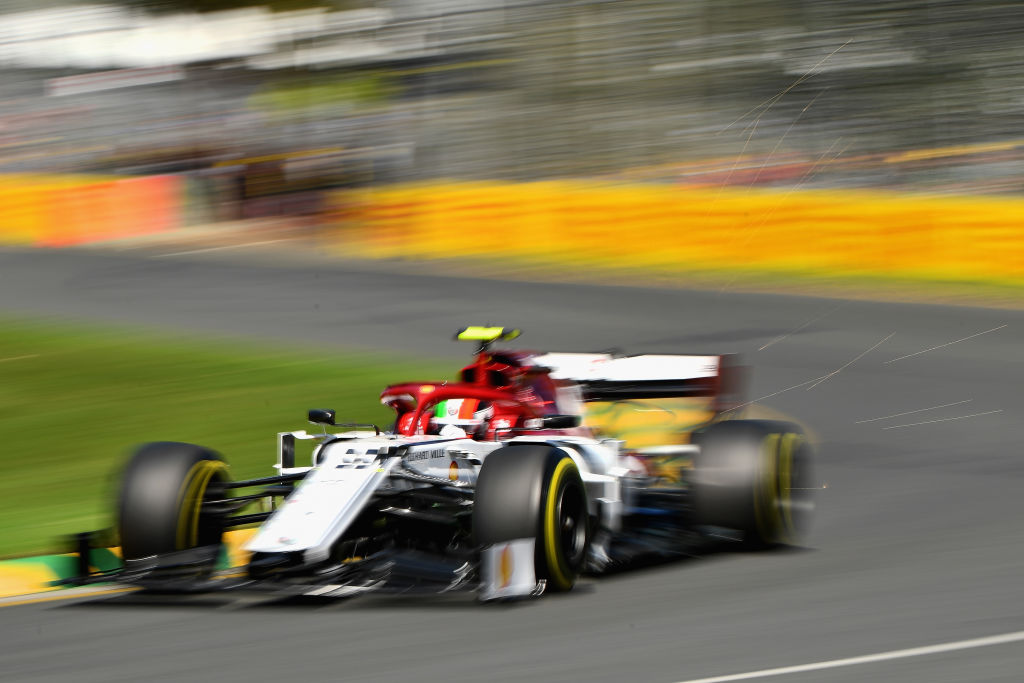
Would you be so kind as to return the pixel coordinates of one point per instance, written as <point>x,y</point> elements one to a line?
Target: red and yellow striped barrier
<point>53,210</point>
<point>689,229</point>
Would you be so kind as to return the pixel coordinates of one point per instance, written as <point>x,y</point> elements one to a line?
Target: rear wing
<point>604,377</point>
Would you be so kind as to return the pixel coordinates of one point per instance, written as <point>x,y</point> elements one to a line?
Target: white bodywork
<point>351,469</point>
<point>506,570</point>
<point>323,504</point>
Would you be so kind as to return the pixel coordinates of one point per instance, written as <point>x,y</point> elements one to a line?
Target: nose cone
<point>265,565</point>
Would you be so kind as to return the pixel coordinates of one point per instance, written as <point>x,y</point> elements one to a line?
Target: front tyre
<point>535,491</point>
<point>160,507</point>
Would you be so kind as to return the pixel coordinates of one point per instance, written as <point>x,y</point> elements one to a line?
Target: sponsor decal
<point>428,454</point>
<point>453,471</point>
<point>505,567</point>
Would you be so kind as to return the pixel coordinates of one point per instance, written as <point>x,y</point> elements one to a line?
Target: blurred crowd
<point>264,107</point>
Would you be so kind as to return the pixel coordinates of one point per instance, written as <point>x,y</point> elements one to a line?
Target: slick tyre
<point>535,491</point>
<point>755,477</point>
<point>160,506</point>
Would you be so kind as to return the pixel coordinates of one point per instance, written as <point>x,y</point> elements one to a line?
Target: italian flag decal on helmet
<point>457,411</point>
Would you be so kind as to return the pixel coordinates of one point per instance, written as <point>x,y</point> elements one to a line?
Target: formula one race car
<point>528,471</point>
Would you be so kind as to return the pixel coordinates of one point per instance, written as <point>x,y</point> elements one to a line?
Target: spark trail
<point>941,346</point>
<point>836,372</point>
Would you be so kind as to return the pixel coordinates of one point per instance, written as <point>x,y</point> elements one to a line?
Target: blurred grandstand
<point>262,109</point>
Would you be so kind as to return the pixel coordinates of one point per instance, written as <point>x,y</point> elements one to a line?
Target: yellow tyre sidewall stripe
<point>190,500</point>
<point>787,447</point>
<point>558,573</point>
<point>772,492</point>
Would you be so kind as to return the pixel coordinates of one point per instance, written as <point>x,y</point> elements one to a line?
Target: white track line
<point>1003,639</point>
<point>220,248</point>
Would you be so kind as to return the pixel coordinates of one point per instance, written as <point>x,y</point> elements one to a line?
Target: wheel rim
<point>572,525</point>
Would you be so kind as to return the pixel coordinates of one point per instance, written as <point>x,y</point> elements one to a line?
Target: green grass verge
<point>74,401</point>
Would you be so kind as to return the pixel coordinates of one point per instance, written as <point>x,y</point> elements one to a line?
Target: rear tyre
<point>755,477</point>
<point>160,507</point>
<point>535,491</point>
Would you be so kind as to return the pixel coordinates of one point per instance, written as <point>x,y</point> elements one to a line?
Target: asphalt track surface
<point>917,541</point>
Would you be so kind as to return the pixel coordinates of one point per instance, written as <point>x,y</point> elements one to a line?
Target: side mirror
<point>561,421</point>
<point>554,422</point>
<point>321,416</point>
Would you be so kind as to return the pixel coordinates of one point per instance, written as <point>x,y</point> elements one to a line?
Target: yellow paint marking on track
<point>67,594</point>
<point>15,579</point>
<point>21,580</point>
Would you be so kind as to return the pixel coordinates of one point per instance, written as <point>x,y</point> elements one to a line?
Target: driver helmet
<point>459,414</point>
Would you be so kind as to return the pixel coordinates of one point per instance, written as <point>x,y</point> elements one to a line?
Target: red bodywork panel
<point>515,389</point>
<point>507,406</point>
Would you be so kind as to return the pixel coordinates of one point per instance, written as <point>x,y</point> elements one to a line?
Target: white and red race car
<point>530,470</point>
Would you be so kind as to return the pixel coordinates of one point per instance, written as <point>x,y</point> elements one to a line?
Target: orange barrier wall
<point>50,210</point>
<point>685,228</point>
